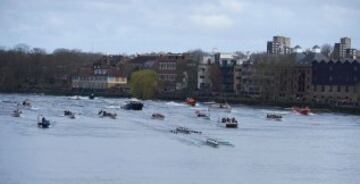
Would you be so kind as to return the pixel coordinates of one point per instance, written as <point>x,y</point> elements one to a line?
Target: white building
<point>229,66</point>
<point>98,82</point>
<point>204,81</point>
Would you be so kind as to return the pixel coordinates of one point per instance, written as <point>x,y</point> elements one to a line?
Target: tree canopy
<point>143,84</point>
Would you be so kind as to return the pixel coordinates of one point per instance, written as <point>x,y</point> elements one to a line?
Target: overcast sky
<point>119,26</point>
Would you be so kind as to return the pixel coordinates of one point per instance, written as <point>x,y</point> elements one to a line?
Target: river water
<point>320,148</point>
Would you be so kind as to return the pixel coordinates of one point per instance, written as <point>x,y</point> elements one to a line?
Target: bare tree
<point>216,77</point>
<point>22,68</point>
<point>269,72</point>
<point>326,49</point>
<point>21,47</point>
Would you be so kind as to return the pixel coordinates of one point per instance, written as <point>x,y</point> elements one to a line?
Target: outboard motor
<point>42,122</point>
<point>91,96</point>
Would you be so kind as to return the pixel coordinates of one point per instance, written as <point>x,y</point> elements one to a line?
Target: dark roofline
<point>338,60</point>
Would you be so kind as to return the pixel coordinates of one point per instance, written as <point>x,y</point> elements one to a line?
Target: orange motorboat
<point>303,111</point>
<point>190,101</point>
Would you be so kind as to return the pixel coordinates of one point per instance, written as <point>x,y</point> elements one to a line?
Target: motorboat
<point>69,114</point>
<point>17,113</point>
<point>274,116</point>
<point>202,114</point>
<point>190,101</point>
<point>232,124</point>
<point>221,106</point>
<point>43,122</point>
<point>303,111</point>
<point>103,113</point>
<point>158,116</point>
<point>229,122</point>
<point>92,96</point>
<point>212,142</point>
<point>26,103</point>
<point>133,104</point>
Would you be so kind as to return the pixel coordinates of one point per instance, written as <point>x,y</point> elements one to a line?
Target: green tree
<point>143,84</point>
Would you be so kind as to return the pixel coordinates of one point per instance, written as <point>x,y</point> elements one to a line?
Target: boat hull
<point>303,111</point>
<point>136,107</point>
<point>190,101</point>
<point>232,125</point>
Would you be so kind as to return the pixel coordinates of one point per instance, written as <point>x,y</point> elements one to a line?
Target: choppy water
<point>321,148</point>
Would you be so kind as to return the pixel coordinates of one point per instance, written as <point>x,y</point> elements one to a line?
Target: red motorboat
<point>190,101</point>
<point>303,111</point>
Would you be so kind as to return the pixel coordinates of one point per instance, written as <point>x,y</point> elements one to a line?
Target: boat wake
<point>113,107</point>
<point>175,104</point>
<point>78,98</point>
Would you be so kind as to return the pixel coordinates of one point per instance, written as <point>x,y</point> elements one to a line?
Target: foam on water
<point>175,104</point>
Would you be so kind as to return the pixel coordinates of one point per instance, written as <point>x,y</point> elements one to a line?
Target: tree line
<point>30,69</point>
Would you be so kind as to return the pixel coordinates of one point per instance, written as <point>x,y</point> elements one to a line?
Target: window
<point>322,88</point>
<point>347,89</point>
<point>315,88</point>
<point>330,88</point>
<point>339,89</point>
<point>201,77</point>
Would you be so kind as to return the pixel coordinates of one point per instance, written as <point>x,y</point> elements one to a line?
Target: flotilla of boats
<point>135,104</point>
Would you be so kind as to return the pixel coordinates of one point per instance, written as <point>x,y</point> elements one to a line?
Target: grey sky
<point>118,26</point>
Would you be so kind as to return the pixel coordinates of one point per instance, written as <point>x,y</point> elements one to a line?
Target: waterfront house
<point>101,76</point>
